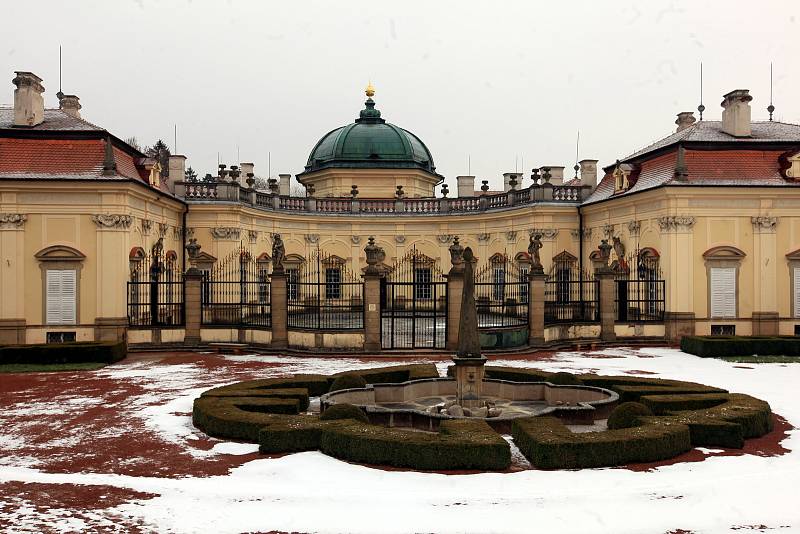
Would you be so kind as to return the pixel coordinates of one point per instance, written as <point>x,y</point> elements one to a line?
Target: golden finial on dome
<point>370,90</point>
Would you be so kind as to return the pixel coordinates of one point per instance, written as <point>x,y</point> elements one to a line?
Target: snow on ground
<point>172,478</point>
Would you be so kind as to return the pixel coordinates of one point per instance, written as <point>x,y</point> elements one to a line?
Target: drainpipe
<point>580,241</point>
<point>183,237</point>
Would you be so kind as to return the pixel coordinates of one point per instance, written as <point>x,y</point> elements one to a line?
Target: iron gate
<point>414,304</point>
<point>155,290</point>
<point>236,292</point>
<point>640,296</point>
<point>501,293</point>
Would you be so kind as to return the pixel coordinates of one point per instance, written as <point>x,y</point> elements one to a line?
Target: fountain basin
<point>407,404</point>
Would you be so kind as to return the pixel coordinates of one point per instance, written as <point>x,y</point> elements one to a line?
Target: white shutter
<point>723,292</point>
<point>61,296</point>
<point>68,294</point>
<point>797,291</point>
<point>53,297</point>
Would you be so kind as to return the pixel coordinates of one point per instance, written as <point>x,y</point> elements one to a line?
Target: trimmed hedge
<point>627,415</point>
<point>349,381</point>
<point>80,352</point>
<point>393,374</point>
<point>564,379</point>
<point>460,444</point>
<point>344,411</point>
<point>662,404</point>
<point>548,444</point>
<point>688,414</point>
<point>720,346</point>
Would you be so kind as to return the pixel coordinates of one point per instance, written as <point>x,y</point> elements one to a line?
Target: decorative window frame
<point>61,258</point>
<point>723,256</point>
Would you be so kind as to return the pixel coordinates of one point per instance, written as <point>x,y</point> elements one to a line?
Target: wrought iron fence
<point>640,288</point>
<point>570,295</point>
<point>155,291</point>
<point>236,292</point>
<point>414,304</point>
<point>501,293</point>
<point>325,294</point>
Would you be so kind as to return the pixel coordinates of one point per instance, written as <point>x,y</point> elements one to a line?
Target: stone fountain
<point>424,403</point>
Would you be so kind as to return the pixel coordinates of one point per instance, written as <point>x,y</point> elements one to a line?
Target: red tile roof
<point>48,158</point>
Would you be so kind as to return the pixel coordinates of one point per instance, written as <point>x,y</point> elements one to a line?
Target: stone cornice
<point>12,221</point>
<point>112,221</point>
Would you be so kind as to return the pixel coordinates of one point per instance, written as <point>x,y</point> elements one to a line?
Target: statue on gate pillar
<point>278,253</point>
<point>534,246</point>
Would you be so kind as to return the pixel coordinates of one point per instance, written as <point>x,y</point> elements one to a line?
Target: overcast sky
<point>495,82</point>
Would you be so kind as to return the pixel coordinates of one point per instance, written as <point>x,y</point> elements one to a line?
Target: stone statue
<point>619,250</point>
<point>278,253</point>
<point>156,252</point>
<point>469,345</point>
<point>534,246</point>
<point>605,252</point>
<point>456,253</point>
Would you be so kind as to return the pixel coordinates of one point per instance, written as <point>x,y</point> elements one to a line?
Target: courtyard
<point>114,450</point>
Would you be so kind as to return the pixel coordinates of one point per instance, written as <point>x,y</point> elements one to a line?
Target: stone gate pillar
<point>607,292</point>
<point>192,305</point>
<point>372,298</point>
<point>455,291</point>
<point>536,281</point>
<point>279,309</point>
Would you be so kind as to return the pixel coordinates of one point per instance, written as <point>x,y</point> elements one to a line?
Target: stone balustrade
<point>234,192</point>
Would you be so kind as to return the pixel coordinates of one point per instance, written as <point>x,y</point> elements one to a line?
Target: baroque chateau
<point>698,233</point>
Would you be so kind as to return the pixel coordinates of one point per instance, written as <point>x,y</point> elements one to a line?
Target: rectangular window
<point>292,277</point>
<point>723,292</point>
<point>796,295</point>
<point>499,285</point>
<point>422,284</point>
<point>333,283</point>
<point>723,330</point>
<point>61,337</point>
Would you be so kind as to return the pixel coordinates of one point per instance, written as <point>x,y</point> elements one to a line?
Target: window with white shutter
<point>723,292</point>
<point>61,296</point>
<point>796,293</point>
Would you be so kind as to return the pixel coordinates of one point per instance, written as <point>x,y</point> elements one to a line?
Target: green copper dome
<point>370,143</point>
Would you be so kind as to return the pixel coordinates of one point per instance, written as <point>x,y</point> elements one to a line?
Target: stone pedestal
<point>455,290</point>
<point>469,381</point>
<point>765,323</point>
<point>372,312</point>
<point>111,329</point>
<point>678,325</point>
<point>193,306</point>
<point>536,281</point>
<point>608,291</point>
<point>12,331</point>
<point>279,309</point>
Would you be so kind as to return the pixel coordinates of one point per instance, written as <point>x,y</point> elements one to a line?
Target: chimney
<point>684,120</point>
<point>245,168</point>
<point>588,172</point>
<point>466,186</point>
<point>736,113</point>
<point>28,100</point>
<point>556,175</point>
<point>284,184</point>
<point>177,170</point>
<point>70,104</point>
<point>507,180</point>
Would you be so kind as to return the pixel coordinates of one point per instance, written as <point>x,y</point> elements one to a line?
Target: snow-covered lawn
<point>147,469</point>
